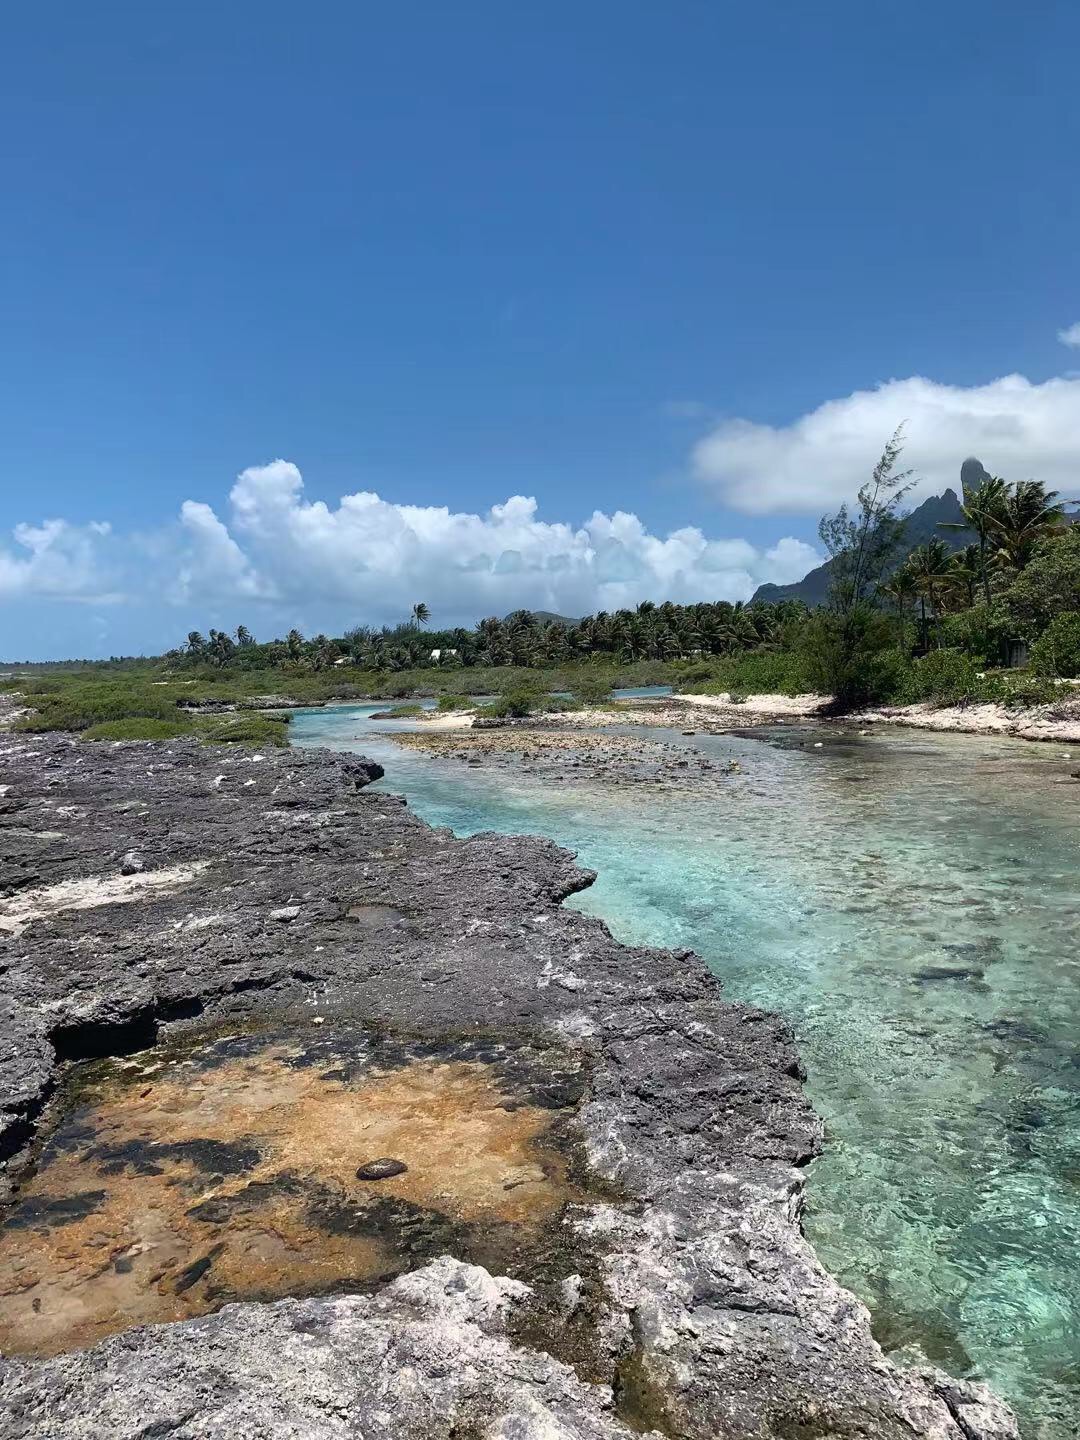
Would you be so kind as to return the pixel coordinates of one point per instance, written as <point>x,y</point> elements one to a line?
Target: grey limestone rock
<point>708,1312</point>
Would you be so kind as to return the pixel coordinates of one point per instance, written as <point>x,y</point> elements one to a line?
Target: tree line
<point>649,632</point>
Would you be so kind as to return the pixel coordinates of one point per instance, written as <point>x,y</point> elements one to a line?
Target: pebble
<point>285,913</point>
<point>383,1169</point>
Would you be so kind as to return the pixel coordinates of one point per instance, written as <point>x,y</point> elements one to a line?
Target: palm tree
<point>979,508</point>
<point>1026,515</point>
<point>196,645</point>
<point>244,636</point>
<point>965,568</point>
<point>221,648</point>
<point>294,644</point>
<point>420,615</point>
<point>929,566</point>
<point>902,589</point>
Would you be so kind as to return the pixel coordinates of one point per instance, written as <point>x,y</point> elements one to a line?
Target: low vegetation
<point>128,707</point>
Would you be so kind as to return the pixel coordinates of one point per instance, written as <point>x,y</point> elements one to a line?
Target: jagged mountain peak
<point>921,525</point>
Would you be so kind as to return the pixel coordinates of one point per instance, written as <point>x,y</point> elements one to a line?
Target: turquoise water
<point>910,903</point>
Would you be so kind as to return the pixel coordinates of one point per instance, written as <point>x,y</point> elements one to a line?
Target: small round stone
<point>383,1169</point>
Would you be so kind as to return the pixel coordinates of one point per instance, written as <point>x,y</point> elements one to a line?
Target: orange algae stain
<point>193,1184</point>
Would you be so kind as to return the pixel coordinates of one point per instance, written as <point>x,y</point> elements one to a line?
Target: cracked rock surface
<point>273,885</point>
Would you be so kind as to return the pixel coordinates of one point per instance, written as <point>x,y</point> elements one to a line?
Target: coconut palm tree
<point>324,652</point>
<point>929,565</point>
<point>979,507</point>
<point>963,575</point>
<point>902,589</point>
<point>244,637</point>
<point>420,615</point>
<point>220,648</point>
<point>1027,514</point>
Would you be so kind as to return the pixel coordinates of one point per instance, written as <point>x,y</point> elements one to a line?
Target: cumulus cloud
<point>372,558</point>
<point>1018,430</point>
<point>58,560</point>
<point>1071,336</point>
<point>211,558</point>
<point>274,553</point>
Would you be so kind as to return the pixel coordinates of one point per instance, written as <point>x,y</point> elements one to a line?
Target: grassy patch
<point>139,728</point>
<point>399,712</point>
<point>82,705</point>
<point>759,672</point>
<point>244,727</point>
<point>128,706</point>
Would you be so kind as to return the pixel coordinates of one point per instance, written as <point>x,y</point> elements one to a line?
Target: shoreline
<point>695,1306</point>
<point>1057,723</point>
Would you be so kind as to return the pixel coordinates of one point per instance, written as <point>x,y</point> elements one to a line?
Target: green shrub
<point>980,632</point>
<point>944,677</point>
<point>244,727</point>
<point>850,657</point>
<point>514,706</point>
<point>401,712</point>
<point>454,702</point>
<point>592,690</point>
<point>78,707</point>
<point>758,672</point>
<point>139,728</point>
<point>1022,690</point>
<point>1048,586</point>
<point>695,672</point>
<point>1057,650</point>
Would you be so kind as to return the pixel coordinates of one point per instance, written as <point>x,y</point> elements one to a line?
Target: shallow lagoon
<point>910,902</point>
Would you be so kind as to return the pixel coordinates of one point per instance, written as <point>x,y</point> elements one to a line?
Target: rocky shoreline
<point>152,890</point>
<point>545,748</point>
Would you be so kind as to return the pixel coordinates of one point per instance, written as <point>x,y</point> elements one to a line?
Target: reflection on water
<point>910,902</point>
<point>257,1166</point>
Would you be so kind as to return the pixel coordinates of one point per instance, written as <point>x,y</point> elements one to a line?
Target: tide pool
<point>910,903</point>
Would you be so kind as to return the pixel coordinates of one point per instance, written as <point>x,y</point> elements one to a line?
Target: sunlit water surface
<point>911,904</point>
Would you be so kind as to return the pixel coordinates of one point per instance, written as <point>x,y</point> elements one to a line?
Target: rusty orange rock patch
<point>187,1183</point>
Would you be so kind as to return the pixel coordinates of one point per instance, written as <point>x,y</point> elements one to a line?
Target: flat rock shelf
<point>319,1121</point>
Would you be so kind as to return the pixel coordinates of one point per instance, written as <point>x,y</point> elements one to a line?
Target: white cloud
<point>367,559</point>
<point>212,559</point>
<point>58,560</point>
<point>370,558</point>
<point>1016,428</point>
<point>1071,335</point>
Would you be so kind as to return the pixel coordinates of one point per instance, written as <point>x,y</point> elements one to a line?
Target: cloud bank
<point>369,559</point>
<point>1018,429</point>
<point>377,557</point>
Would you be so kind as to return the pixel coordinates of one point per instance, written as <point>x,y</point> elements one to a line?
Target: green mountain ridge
<point>921,525</point>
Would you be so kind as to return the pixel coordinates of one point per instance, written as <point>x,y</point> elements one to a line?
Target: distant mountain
<point>921,525</point>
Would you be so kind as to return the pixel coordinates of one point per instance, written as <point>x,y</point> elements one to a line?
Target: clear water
<point>910,903</point>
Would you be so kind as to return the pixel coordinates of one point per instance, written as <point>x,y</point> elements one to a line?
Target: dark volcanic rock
<point>707,1313</point>
<point>384,1169</point>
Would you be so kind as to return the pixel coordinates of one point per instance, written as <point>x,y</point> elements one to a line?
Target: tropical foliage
<point>665,632</point>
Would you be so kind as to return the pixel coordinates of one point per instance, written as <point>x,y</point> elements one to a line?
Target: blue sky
<point>615,257</point>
